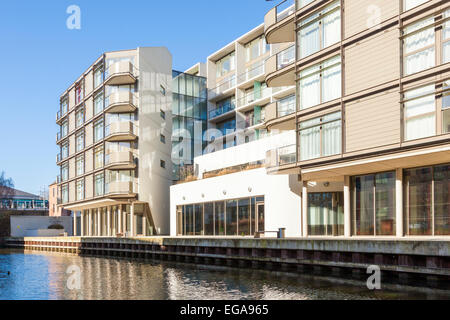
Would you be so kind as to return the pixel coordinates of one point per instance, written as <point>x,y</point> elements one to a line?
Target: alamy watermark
<point>74,280</point>
<point>374,281</point>
<point>73,22</point>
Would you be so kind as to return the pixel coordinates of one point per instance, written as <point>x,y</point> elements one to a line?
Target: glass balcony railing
<point>281,156</point>
<point>224,85</point>
<point>285,57</point>
<point>227,107</point>
<point>286,107</point>
<point>254,96</point>
<point>255,70</point>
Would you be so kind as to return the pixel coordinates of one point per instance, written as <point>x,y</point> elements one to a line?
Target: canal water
<point>43,276</point>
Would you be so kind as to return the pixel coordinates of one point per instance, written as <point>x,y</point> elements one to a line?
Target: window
<point>64,129</point>
<point>286,106</point>
<point>65,172</point>
<point>446,38</point>
<point>98,130</point>
<point>162,164</point>
<point>65,193</point>
<point>427,201</point>
<point>79,163</point>
<point>320,137</point>
<point>420,113</point>
<point>256,48</point>
<point>225,65</point>
<point>326,214</point>
<point>162,138</point>
<point>99,184</point>
<point>418,46</point>
<point>303,3</point>
<point>80,189</point>
<point>64,106</point>
<point>98,157</point>
<point>120,176</point>
<point>98,103</point>
<point>320,30</point>
<point>98,76</point>
<point>80,141</point>
<point>373,204</point>
<point>79,117</point>
<point>65,150</point>
<point>409,4</point>
<point>162,114</point>
<point>79,93</point>
<point>446,107</point>
<point>320,83</point>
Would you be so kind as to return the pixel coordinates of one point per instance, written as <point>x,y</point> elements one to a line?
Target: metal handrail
<point>227,107</point>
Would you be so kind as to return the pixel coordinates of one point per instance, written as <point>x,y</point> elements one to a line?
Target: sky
<point>40,58</point>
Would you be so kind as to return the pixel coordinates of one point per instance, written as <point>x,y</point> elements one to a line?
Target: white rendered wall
<point>281,192</point>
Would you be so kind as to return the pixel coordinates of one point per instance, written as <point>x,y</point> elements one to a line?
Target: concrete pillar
<point>90,223</point>
<point>124,221</point>
<point>119,219</point>
<point>82,223</point>
<point>75,223</point>
<point>108,222</point>
<point>347,206</point>
<point>305,209</point>
<point>132,221</point>
<point>99,222</point>
<point>399,203</point>
<point>144,226</point>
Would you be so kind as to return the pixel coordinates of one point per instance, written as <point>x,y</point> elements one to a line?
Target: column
<point>305,209</point>
<point>74,223</point>
<point>347,211</point>
<point>82,223</point>
<point>144,225</point>
<point>119,219</point>
<point>132,222</point>
<point>99,222</point>
<point>108,222</point>
<point>399,202</point>
<point>90,223</point>
<point>124,221</point>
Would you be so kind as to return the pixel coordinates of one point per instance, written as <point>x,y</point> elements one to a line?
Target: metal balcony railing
<point>227,107</point>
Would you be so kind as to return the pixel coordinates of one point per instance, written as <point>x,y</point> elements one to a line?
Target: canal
<point>43,276</point>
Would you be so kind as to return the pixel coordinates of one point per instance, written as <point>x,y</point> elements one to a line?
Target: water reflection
<point>36,275</point>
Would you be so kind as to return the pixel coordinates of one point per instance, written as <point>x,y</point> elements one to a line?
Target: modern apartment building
<point>372,119</point>
<point>54,210</point>
<point>363,149</point>
<point>115,126</point>
<point>229,192</point>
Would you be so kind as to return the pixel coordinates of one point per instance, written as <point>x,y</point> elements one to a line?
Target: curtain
<point>420,114</point>
<point>310,140</point>
<point>331,143</point>
<point>309,38</point>
<point>446,36</point>
<point>309,87</point>
<point>423,59</point>
<point>331,84</point>
<point>331,28</point>
<point>409,4</point>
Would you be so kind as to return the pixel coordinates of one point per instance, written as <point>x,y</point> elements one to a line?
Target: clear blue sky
<point>40,58</point>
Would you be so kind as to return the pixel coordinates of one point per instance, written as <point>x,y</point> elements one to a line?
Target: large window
<point>320,83</point>
<point>99,184</point>
<point>256,48</point>
<point>64,129</point>
<point>98,76</point>
<point>79,163</point>
<point>286,106</point>
<point>65,193</point>
<point>419,46</point>
<point>65,172</point>
<point>64,106</point>
<point>80,189</point>
<point>79,117</point>
<point>225,65</point>
<point>79,93</point>
<point>446,38</point>
<point>80,141</point>
<point>65,150</point>
<point>241,217</point>
<point>409,4</point>
<point>446,107</point>
<point>320,30</point>
<point>420,113</point>
<point>427,200</point>
<point>98,157</point>
<point>326,214</point>
<point>98,103</point>
<point>373,204</point>
<point>98,130</point>
<point>321,137</point>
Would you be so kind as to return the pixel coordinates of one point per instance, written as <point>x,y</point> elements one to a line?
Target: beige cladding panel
<point>72,191</point>
<point>89,83</point>
<point>72,98</point>
<point>373,121</point>
<point>89,186</point>
<point>71,121</point>
<point>89,134</point>
<point>89,160</point>
<point>372,61</point>
<point>72,144</point>
<point>364,14</point>
<point>72,168</point>
<point>89,108</point>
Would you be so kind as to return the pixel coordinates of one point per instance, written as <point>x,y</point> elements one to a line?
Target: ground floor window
<point>237,217</point>
<point>427,200</point>
<point>373,204</point>
<point>326,214</point>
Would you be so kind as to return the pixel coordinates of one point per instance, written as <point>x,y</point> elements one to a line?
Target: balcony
<point>120,161</point>
<point>254,73</point>
<point>280,115</point>
<point>280,68</point>
<point>120,73</point>
<point>254,98</point>
<point>281,159</point>
<point>121,189</point>
<point>121,131</point>
<point>121,101</point>
<point>221,112</point>
<point>222,87</point>
<point>279,23</point>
